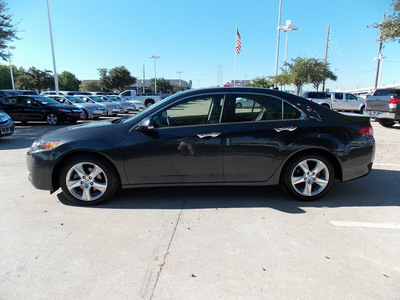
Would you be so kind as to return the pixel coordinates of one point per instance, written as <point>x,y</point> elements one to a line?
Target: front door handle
<point>210,134</point>
<point>285,129</point>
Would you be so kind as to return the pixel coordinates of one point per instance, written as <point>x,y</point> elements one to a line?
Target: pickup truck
<point>147,100</point>
<point>337,100</point>
<point>384,105</point>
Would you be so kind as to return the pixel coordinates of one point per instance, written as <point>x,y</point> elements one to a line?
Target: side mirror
<point>147,124</point>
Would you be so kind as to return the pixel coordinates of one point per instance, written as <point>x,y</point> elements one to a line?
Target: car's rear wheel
<point>308,177</point>
<point>88,180</point>
<point>386,122</point>
<point>52,119</point>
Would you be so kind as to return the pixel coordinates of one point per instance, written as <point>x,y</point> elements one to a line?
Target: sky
<point>198,38</point>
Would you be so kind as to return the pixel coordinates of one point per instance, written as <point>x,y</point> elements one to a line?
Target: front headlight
<point>4,119</point>
<point>44,145</point>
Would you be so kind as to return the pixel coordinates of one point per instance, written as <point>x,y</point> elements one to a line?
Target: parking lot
<point>201,242</point>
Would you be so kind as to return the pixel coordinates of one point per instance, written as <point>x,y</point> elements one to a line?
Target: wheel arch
<point>65,158</point>
<point>332,158</point>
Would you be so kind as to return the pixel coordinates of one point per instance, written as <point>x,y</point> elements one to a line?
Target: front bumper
<point>7,129</point>
<point>40,170</point>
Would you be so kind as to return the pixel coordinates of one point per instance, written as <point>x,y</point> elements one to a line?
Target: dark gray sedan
<point>201,137</point>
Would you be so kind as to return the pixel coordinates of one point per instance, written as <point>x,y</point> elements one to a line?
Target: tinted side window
<point>256,108</point>
<point>10,101</point>
<point>192,111</point>
<point>290,112</point>
<point>339,96</point>
<point>351,97</point>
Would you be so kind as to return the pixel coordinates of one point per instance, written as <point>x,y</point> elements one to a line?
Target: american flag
<point>238,42</point>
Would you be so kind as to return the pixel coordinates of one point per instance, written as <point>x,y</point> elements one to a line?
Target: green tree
<point>90,86</point>
<point>163,85</point>
<point>280,79</point>
<point>7,30</point>
<point>390,27</point>
<point>318,72</point>
<point>262,82</point>
<point>117,78</point>
<point>35,79</point>
<point>5,76</point>
<point>67,81</point>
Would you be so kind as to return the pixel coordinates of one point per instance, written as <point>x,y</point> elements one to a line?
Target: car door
<point>339,101</point>
<point>258,138</point>
<point>352,102</point>
<point>185,145</point>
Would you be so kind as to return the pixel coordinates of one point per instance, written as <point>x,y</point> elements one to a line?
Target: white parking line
<point>365,225</point>
<point>378,164</point>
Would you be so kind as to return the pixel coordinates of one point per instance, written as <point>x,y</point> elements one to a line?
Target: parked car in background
<point>69,93</point>
<point>6,125</point>
<point>384,105</point>
<point>26,108</point>
<point>199,137</point>
<point>90,110</point>
<point>337,101</point>
<point>147,100</point>
<point>111,108</point>
<point>6,93</point>
<point>127,107</point>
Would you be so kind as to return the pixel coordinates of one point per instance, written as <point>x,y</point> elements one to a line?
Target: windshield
<point>75,99</point>
<point>46,101</point>
<point>97,99</point>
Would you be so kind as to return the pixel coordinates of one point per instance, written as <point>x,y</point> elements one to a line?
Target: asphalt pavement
<point>201,242</point>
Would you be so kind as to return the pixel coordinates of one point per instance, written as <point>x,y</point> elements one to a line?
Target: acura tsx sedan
<point>201,137</point>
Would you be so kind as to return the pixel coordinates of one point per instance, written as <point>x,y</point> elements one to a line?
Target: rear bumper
<point>380,114</point>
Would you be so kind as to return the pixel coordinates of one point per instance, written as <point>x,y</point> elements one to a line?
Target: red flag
<point>238,42</point>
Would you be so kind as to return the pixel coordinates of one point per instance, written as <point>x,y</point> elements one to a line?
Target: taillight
<point>368,130</point>
<point>394,99</point>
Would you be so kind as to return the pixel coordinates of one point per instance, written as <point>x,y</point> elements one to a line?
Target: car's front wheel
<point>88,180</point>
<point>308,177</point>
<point>52,119</point>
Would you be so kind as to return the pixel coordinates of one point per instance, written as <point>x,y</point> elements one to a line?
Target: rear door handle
<point>285,129</point>
<point>210,134</point>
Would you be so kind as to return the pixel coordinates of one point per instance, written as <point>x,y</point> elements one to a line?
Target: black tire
<point>362,110</point>
<point>89,190</point>
<point>85,115</point>
<point>238,105</point>
<point>52,119</point>
<point>302,183</point>
<point>326,105</point>
<point>386,122</point>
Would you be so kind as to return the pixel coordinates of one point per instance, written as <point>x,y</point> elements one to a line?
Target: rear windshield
<point>387,92</point>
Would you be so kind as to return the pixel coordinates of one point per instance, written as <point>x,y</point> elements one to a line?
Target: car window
<point>351,97</point>
<point>339,96</point>
<point>9,101</point>
<point>192,111</point>
<point>257,108</point>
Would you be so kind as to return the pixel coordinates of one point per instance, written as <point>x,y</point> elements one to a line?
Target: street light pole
<point>155,72</point>
<point>286,29</point>
<point>277,42</point>
<point>179,72</point>
<point>9,60</point>
<point>52,48</point>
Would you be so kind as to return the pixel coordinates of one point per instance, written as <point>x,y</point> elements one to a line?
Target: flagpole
<point>234,69</point>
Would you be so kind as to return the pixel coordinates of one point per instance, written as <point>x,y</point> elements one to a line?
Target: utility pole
<point>326,53</point>
<point>144,79</point>
<point>379,59</point>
